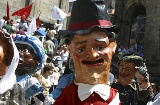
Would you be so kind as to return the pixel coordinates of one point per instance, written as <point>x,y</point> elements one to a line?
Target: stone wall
<point>124,13</point>
<point>40,7</point>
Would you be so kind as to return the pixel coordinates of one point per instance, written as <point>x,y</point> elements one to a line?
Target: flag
<point>23,11</point>
<point>32,27</point>
<point>8,16</point>
<point>72,0</point>
<point>37,22</point>
<point>58,14</point>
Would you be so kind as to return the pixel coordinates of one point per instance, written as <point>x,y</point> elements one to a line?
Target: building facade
<point>139,22</point>
<point>41,8</point>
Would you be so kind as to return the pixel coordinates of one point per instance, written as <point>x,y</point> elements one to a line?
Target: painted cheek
<point>77,56</point>
<point>143,81</point>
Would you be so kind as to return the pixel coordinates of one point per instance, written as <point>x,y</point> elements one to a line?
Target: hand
<point>48,100</point>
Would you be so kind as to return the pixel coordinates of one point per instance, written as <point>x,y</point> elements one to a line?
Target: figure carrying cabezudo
<point>91,40</point>
<point>31,60</point>
<point>126,85</point>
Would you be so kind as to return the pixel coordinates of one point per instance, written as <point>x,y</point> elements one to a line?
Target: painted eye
<point>100,48</point>
<point>79,50</point>
<point>128,70</point>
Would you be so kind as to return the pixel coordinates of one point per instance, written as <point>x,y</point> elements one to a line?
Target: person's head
<point>20,28</point>
<point>155,88</point>
<point>91,40</point>
<point>11,22</point>
<point>23,18</point>
<point>4,17</point>
<point>48,37</point>
<point>142,76</point>
<point>56,35</point>
<point>8,61</point>
<point>48,70</point>
<point>128,66</point>
<point>8,22</point>
<point>31,54</point>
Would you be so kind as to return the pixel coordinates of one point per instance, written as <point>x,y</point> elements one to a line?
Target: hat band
<point>83,25</point>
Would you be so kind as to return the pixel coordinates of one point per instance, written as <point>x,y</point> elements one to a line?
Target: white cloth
<point>85,90</point>
<point>48,100</point>
<point>156,100</point>
<point>23,25</point>
<point>140,89</point>
<point>9,78</point>
<point>58,14</point>
<point>32,27</point>
<point>56,76</point>
<point>64,56</point>
<point>2,23</point>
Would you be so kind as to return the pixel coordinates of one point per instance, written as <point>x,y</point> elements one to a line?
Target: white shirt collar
<point>85,90</point>
<point>140,89</point>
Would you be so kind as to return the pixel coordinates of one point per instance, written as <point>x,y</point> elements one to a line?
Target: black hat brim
<point>65,33</point>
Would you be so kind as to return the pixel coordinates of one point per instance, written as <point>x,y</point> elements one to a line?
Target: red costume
<point>91,40</point>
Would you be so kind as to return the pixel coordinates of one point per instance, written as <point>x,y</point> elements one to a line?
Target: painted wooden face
<point>126,72</point>
<point>3,51</point>
<point>92,54</point>
<point>27,60</point>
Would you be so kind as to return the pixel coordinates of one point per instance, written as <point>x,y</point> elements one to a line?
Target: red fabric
<point>69,96</point>
<point>82,25</point>
<point>23,11</point>
<point>8,16</point>
<point>37,22</point>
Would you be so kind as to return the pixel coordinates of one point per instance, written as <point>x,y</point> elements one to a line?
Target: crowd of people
<point>72,67</point>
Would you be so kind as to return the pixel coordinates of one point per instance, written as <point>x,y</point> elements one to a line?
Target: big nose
<point>92,54</point>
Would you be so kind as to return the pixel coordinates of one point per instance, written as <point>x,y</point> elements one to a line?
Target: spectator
<point>31,60</point>
<point>49,47</point>
<point>8,27</point>
<point>48,80</point>
<point>22,24</point>
<point>64,81</point>
<point>125,85</point>
<point>20,31</point>
<point>55,40</point>
<point>2,22</point>
<point>64,53</point>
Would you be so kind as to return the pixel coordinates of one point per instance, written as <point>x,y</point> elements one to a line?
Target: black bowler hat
<point>87,14</point>
<point>131,58</point>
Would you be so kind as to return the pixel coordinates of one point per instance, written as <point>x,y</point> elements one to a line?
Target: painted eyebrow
<point>82,42</point>
<point>101,40</point>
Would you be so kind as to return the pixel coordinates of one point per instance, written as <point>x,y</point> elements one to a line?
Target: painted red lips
<point>94,63</point>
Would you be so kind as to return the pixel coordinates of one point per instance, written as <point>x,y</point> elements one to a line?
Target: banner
<point>37,22</point>
<point>8,16</point>
<point>23,11</point>
<point>58,14</point>
<point>32,27</point>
